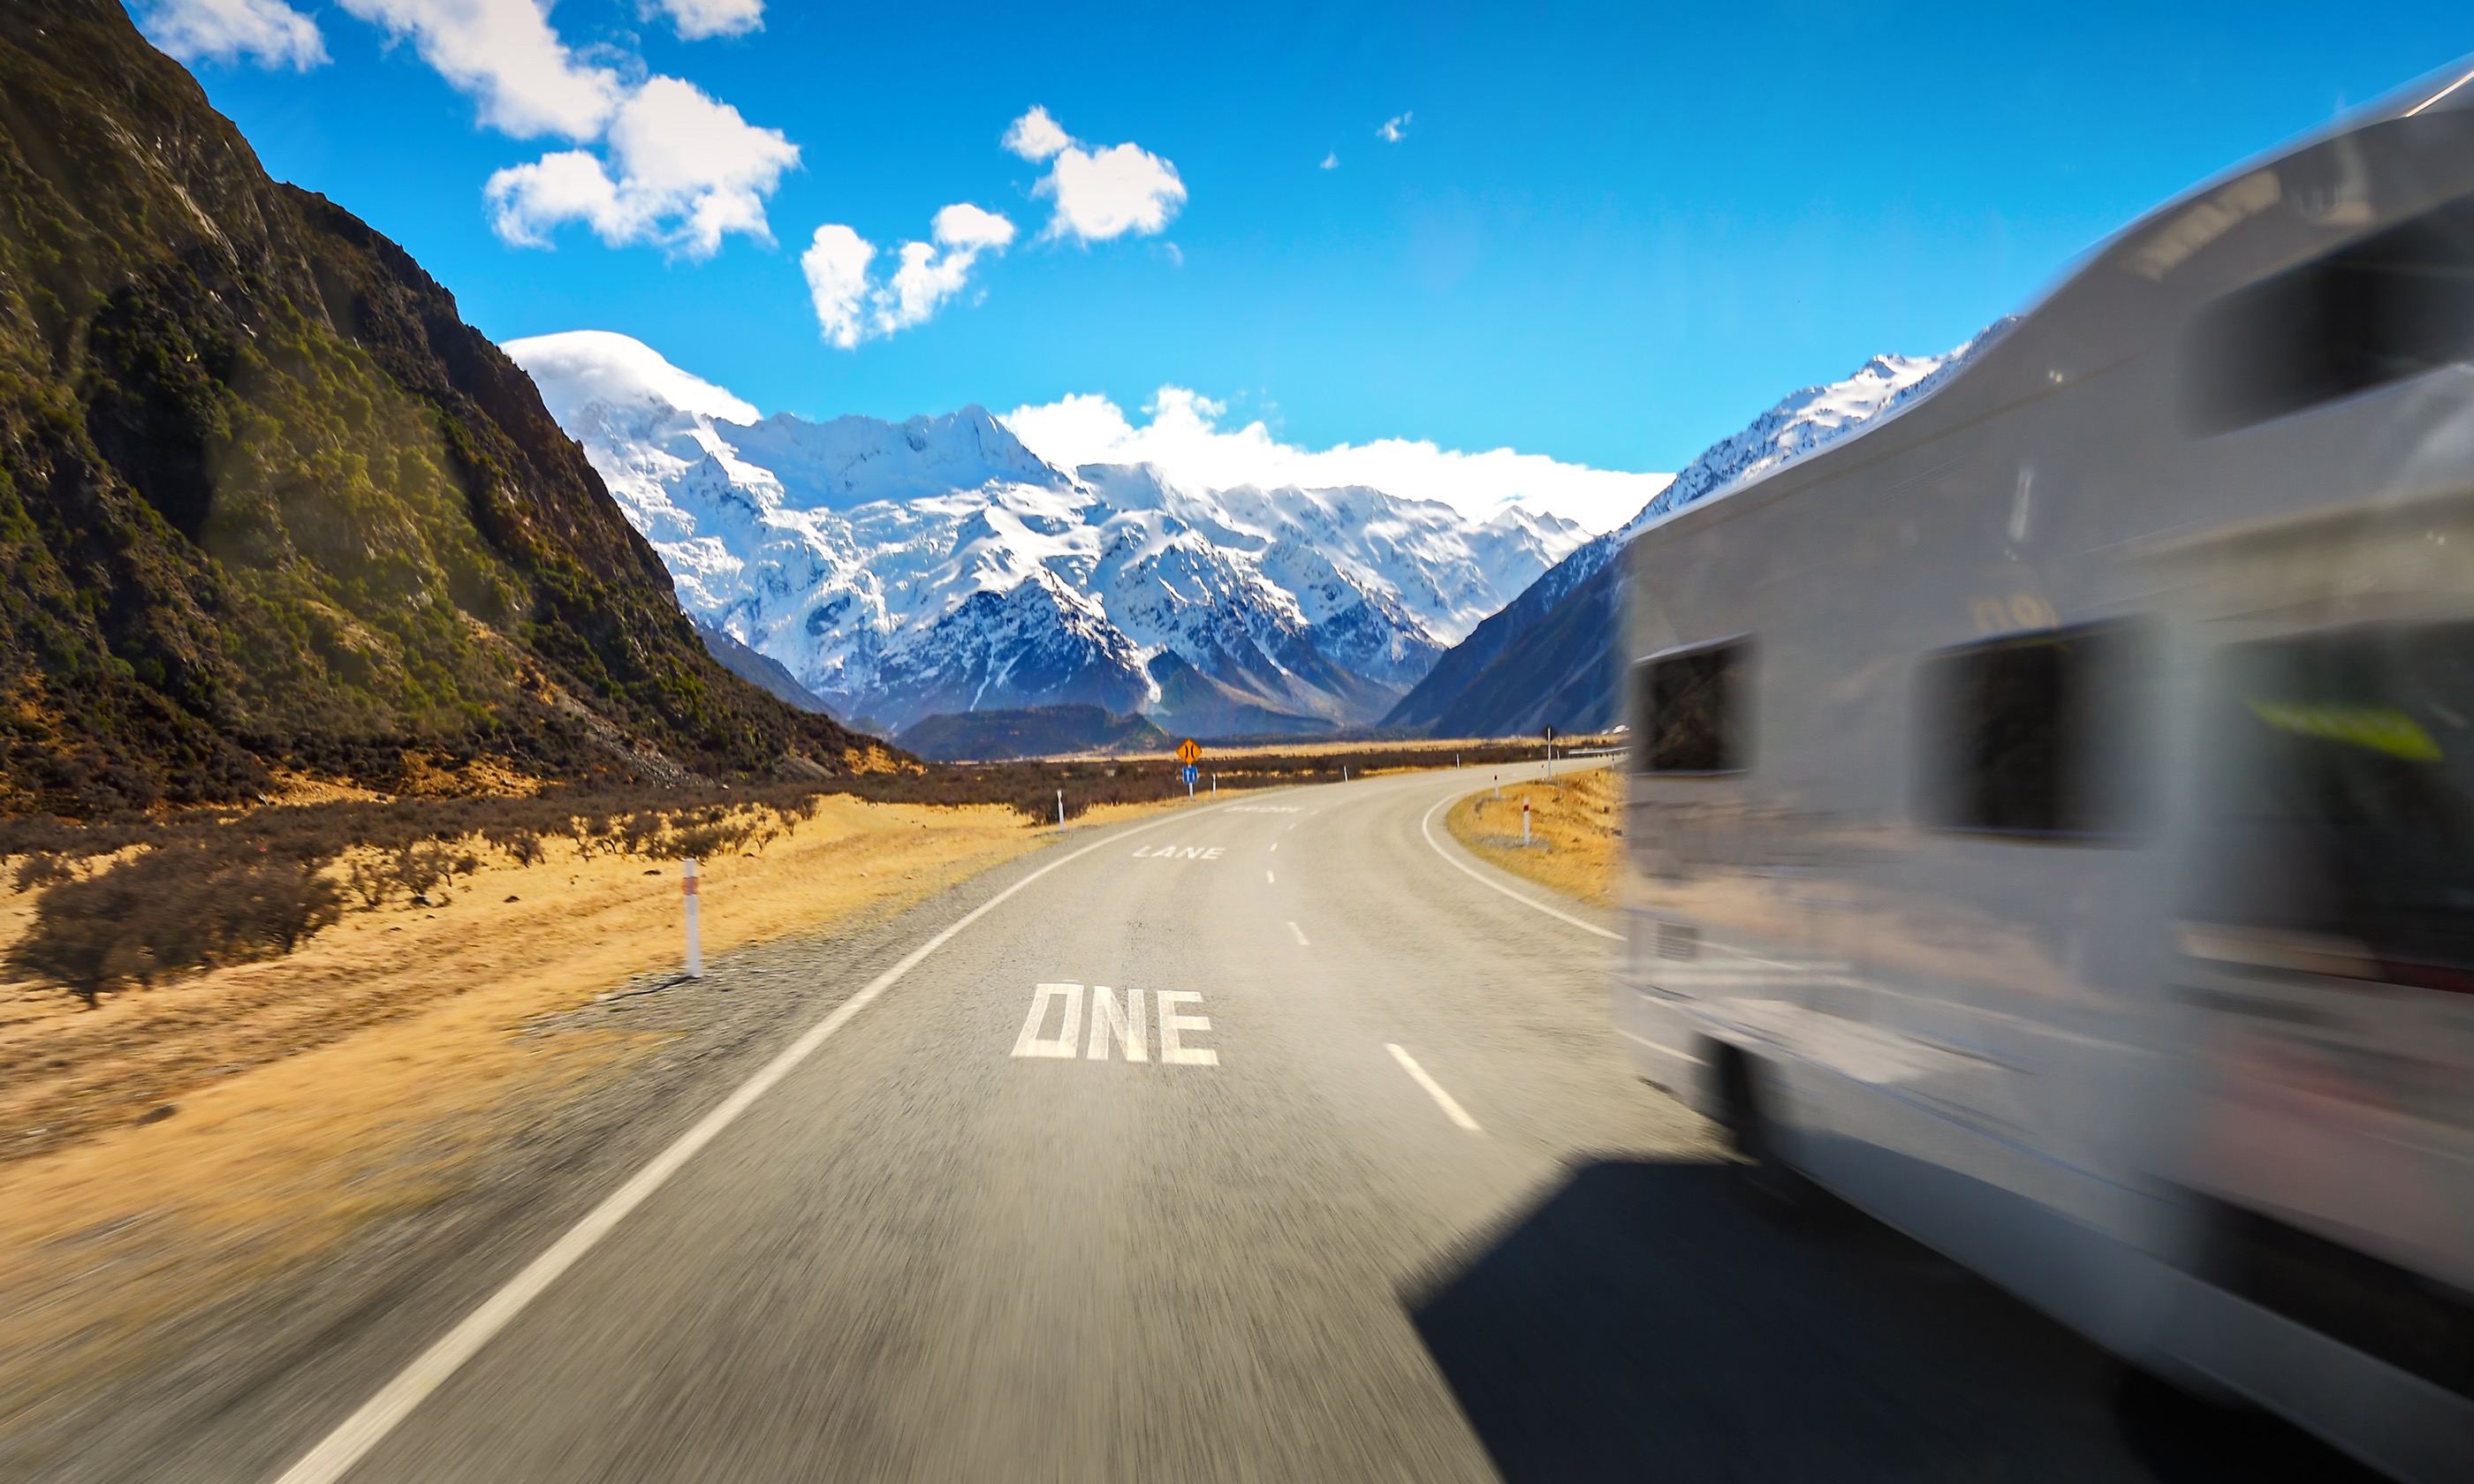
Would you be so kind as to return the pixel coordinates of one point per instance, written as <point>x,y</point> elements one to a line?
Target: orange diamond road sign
<point>1187,753</point>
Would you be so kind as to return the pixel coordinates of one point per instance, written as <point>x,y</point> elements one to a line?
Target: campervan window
<point>2030,736</point>
<point>1689,710</point>
<point>2340,806</point>
<point>2391,306</point>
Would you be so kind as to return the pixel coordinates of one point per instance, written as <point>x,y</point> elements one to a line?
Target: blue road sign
<point>1189,774</point>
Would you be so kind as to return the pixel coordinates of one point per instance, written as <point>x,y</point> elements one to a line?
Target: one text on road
<point>1116,1027</point>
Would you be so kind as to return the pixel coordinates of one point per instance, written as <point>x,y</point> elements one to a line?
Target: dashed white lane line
<point>1300,935</point>
<point>1426,828</point>
<point>1267,878</point>
<point>340,1450</point>
<point>1276,845</point>
<point>1434,1089</point>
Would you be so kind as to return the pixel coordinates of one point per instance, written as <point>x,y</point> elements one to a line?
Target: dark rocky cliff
<point>267,502</point>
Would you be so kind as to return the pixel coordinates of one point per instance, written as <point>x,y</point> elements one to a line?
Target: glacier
<point>898,570</point>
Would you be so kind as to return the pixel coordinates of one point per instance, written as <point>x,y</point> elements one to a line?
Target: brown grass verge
<point>355,1078</point>
<point>1575,830</point>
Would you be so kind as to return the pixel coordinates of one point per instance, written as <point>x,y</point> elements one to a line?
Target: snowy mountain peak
<point>937,564</point>
<point>854,460</point>
<point>1805,422</point>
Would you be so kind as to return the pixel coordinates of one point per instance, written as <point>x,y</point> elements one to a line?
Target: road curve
<point>1388,1203</point>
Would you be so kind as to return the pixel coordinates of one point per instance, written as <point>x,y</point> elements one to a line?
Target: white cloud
<point>1035,137</point>
<point>504,55</point>
<point>1100,193</point>
<point>689,170</point>
<point>835,264</point>
<point>1184,440</point>
<point>1331,161</point>
<point>268,32</point>
<point>698,19</point>
<point>851,308</point>
<point>678,168</point>
<point>963,225</point>
<point>578,366</point>
<point>1394,129</point>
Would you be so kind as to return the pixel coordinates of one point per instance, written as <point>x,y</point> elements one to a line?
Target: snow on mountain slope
<point>901,570</point>
<point>1803,422</point>
<point>1543,660</point>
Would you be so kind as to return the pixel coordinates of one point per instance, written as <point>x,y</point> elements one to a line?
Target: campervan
<point>2051,807</point>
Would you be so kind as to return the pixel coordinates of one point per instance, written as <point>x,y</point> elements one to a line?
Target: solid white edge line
<point>1434,1089</point>
<point>341,1448</point>
<point>1426,828</point>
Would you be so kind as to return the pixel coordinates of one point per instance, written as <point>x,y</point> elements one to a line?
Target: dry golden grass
<point>352,1078</point>
<point>1575,826</point>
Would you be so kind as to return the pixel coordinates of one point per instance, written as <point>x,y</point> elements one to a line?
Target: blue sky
<point>1608,235</point>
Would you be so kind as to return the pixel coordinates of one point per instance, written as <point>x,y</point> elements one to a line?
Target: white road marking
<point>1173,1051</point>
<point>340,1450</point>
<point>1434,1089</point>
<point>1180,851</point>
<point>1126,1024</point>
<point>1267,879</point>
<point>1302,936</point>
<point>1426,828</point>
<point>1276,845</point>
<point>1032,1043</point>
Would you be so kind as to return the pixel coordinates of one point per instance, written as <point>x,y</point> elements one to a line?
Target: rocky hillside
<point>1548,659</point>
<point>267,503</point>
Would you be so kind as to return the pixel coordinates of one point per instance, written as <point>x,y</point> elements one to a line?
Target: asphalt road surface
<point>1378,1198</point>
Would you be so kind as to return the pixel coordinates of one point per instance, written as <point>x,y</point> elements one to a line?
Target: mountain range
<point>1548,659</point>
<point>903,570</point>
<point>937,567</point>
<point>268,505</point>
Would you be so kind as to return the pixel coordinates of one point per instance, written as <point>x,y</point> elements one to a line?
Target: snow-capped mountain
<point>1545,660</point>
<point>897,570</point>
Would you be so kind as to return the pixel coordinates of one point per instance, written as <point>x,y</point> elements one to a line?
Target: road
<point>1380,1199</point>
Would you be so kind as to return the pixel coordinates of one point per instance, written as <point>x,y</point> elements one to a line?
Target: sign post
<point>1550,752</point>
<point>1190,754</point>
<point>695,936</point>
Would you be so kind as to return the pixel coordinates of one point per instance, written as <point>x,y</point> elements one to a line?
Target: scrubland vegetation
<point>137,899</point>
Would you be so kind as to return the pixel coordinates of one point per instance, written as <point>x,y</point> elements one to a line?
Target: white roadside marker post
<point>695,935</point>
<point>1061,808</point>
<point>1524,823</point>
